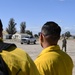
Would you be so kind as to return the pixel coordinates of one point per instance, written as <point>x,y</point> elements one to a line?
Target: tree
<point>29,32</point>
<point>38,33</point>
<point>67,34</point>
<point>73,37</point>
<point>11,27</point>
<point>22,27</point>
<point>63,35</point>
<point>36,36</point>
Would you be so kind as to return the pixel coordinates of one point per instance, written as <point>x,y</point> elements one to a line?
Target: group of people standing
<point>51,61</point>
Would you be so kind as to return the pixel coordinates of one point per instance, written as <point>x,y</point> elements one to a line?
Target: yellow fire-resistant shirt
<point>19,62</point>
<point>53,61</point>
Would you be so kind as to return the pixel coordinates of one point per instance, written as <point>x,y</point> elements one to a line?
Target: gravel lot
<point>34,50</point>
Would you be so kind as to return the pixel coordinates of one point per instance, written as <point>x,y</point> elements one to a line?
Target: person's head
<point>50,34</point>
<point>1,29</point>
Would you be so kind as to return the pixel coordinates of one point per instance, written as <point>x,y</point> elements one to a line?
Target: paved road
<point>34,50</point>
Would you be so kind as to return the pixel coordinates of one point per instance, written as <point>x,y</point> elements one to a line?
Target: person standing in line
<point>52,60</point>
<point>17,60</point>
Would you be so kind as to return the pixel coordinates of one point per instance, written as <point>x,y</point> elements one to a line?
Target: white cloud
<point>69,28</point>
<point>61,0</point>
<point>73,25</point>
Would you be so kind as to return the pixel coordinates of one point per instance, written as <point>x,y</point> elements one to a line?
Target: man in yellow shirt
<point>52,60</point>
<point>18,62</point>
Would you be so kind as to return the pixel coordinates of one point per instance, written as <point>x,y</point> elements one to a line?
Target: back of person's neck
<point>45,45</point>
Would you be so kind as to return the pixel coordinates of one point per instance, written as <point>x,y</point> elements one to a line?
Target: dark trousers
<point>64,48</point>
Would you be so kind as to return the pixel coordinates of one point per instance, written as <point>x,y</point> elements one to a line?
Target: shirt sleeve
<point>32,66</point>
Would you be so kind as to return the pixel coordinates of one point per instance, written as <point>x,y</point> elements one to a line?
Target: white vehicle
<point>28,40</point>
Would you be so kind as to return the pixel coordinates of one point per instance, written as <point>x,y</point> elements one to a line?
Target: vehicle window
<point>31,36</point>
<point>26,37</point>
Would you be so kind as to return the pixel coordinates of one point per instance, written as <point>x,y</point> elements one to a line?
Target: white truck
<point>28,40</point>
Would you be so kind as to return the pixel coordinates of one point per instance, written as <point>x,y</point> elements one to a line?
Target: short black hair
<point>1,26</point>
<point>51,29</point>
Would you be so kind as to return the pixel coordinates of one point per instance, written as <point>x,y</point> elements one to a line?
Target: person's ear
<point>41,38</point>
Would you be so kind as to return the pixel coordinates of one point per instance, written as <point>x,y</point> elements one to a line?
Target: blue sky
<point>36,12</point>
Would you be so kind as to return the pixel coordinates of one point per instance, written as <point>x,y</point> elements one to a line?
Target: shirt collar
<point>50,48</point>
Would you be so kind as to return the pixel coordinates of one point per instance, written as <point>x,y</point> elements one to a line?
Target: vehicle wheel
<point>28,42</point>
<point>21,42</point>
<point>34,42</point>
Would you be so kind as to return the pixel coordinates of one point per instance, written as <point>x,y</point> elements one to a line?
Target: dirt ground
<point>34,50</point>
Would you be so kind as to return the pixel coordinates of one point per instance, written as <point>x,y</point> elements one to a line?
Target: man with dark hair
<point>64,42</point>
<point>18,62</point>
<point>1,29</point>
<point>52,60</point>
